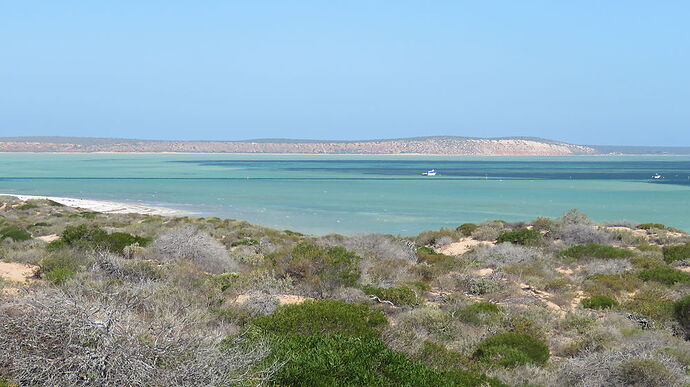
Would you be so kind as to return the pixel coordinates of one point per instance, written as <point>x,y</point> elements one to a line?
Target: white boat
<point>657,176</point>
<point>429,173</point>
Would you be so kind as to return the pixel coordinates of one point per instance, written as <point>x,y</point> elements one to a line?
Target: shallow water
<point>350,194</point>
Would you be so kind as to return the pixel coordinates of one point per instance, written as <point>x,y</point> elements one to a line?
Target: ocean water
<point>352,194</point>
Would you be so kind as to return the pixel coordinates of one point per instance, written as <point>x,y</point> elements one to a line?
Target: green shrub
<point>93,237</point>
<point>651,302</point>
<point>503,356</point>
<point>429,256</point>
<point>650,226</point>
<point>359,361</point>
<point>62,260</point>
<point>117,241</point>
<point>439,357</point>
<point>245,242</point>
<point>598,302</point>
<point>602,284</point>
<point>396,295</point>
<point>479,313</point>
<point>322,267</point>
<point>14,233</point>
<point>645,372</point>
<point>27,206</point>
<point>466,229</point>
<point>523,236</point>
<point>647,262</point>
<point>323,317</point>
<point>543,224</point>
<point>534,349</point>
<point>593,250</point>
<point>664,275</point>
<point>59,275</point>
<point>681,311</point>
<point>676,253</point>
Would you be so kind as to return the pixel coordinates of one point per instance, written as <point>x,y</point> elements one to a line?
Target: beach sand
<point>104,206</point>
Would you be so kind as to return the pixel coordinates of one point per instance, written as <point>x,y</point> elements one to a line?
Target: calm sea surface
<point>350,194</point>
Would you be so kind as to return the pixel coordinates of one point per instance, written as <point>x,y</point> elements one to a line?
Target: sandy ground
<point>16,272</point>
<point>283,299</point>
<point>460,247</point>
<point>104,206</point>
<point>48,238</point>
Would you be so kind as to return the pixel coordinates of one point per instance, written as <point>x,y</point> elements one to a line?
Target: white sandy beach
<point>104,206</point>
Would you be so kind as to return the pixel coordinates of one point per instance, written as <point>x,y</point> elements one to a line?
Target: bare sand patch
<point>461,247</point>
<point>283,299</point>
<point>48,238</point>
<point>17,272</point>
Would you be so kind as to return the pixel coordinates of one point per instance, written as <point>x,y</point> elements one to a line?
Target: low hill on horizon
<point>444,145</point>
<point>437,145</point>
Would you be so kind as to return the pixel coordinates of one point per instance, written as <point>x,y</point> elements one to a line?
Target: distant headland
<point>432,145</point>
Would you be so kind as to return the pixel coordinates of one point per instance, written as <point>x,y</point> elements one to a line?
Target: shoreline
<point>351,154</point>
<point>104,206</point>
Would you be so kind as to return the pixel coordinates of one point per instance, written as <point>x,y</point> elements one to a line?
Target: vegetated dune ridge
<point>182,301</point>
<point>459,146</point>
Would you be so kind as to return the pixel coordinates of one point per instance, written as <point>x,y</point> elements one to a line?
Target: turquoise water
<point>349,194</point>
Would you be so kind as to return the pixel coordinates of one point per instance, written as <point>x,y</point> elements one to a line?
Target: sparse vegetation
<point>523,236</point>
<point>599,302</point>
<point>593,250</point>
<point>676,253</point>
<point>150,300</point>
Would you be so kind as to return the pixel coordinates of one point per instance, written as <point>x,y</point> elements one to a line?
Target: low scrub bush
<point>593,250</point>
<point>543,224</point>
<point>15,233</point>
<point>503,356</point>
<point>651,226</point>
<point>681,312</point>
<point>466,229</point>
<point>322,269</point>
<point>245,242</point>
<point>676,253</point>
<point>479,313</point>
<point>572,217</point>
<point>52,338</point>
<point>580,234</point>
<point>439,357</point>
<point>94,238</point>
<point>645,372</point>
<point>58,266</point>
<point>599,302</point>
<point>192,244</point>
<point>506,254</point>
<point>359,361</point>
<point>436,238</point>
<point>396,295</point>
<point>488,231</point>
<point>653,302</point>
<point>429,256</point>
<point>646,262</point>
<point>323,317</point>
<point>602,284</point>
<point>523,236</point>
<point>535,350</point>
<point>664,275</point>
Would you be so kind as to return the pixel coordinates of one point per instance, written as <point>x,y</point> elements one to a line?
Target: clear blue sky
<point>594,72</point>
